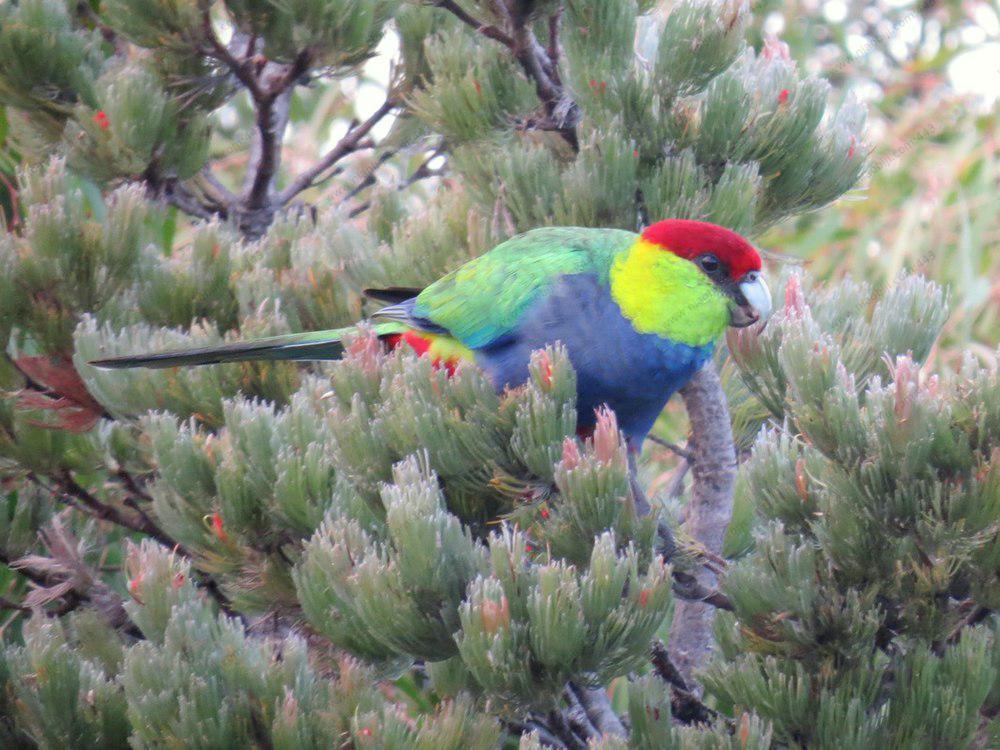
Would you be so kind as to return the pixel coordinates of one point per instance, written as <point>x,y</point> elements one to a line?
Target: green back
<point>483,300</point>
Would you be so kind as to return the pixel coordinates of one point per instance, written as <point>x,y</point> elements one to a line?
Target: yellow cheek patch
<point>669,296</point>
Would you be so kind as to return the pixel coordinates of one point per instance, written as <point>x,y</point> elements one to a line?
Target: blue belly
<point>633,373</point>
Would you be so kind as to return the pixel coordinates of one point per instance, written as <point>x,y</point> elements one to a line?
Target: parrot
<point>637,313</point>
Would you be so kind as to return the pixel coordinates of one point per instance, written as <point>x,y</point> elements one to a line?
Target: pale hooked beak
<point>756,302</point>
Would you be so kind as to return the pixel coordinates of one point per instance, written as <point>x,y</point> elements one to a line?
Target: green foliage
<point>47,64</point>
<point>527,629</point>
<point>474,89</point>
<point>714,131</point>
<point>62,699</point>
<point>198,679</point>
<point>879,495</point>
<point>653,727</point>
<point>335,33</point>
<point>135,123</point>
<point>466,545</point>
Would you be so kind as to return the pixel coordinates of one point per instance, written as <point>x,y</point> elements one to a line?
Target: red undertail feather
<point>421,345</point>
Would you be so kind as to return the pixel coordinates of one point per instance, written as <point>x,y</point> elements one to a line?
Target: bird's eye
<point>709,263</point>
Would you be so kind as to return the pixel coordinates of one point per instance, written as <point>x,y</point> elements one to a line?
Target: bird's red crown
<point>689,239</point>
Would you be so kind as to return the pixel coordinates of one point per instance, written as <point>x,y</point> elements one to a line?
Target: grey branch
<point>597,707</point>
<point>271,119</point>
<point>709,513</point>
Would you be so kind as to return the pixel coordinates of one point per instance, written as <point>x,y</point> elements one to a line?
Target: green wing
<point>483,300</point>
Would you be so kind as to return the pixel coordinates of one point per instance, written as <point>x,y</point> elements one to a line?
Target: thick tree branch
<point>562,112</point>
<point>223,195</point>
<point>545,735</point>
<point>272,112</point>
<point>270,121</point>
<point>597,707</point>
<point>709,513</point>
<point>560,726</point>
<point>685,706</point>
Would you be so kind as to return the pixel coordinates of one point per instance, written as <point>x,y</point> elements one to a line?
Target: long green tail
<point>314,345</point>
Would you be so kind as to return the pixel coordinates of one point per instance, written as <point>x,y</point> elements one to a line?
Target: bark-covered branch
<point>709,512</point>
<point>539,63</point>
<point>597,707</point>
<point>685,705</point>
<point>485,29</point>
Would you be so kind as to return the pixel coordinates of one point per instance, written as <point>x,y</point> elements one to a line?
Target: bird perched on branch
<point>638,314</point>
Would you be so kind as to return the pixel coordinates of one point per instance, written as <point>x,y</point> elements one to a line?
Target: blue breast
<point>633,373</point>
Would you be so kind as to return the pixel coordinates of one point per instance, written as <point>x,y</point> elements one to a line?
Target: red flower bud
<point>217,527</point>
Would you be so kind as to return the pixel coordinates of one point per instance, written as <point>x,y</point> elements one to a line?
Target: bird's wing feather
<point>483,301</point>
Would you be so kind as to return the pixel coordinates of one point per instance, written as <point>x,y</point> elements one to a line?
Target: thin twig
<point>88,503</point>
<point>673,447</point>
<point>485,29</point>
<point>241,69</point>
<point>422,172</point>
<point>345,146</point>
<point>538,63</point>
<point>71,487</point>
<point>6,603</point>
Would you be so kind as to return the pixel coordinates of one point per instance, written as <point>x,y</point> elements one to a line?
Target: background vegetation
<point>279,556</point>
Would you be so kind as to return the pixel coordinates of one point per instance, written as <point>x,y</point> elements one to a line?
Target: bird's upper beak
<point>753,303</point>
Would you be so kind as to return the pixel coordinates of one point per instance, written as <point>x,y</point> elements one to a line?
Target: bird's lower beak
<point>756,303</point>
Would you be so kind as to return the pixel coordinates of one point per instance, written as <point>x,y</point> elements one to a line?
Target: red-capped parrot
<point>638,314</point>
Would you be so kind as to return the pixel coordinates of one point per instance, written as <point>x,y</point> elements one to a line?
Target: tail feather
<point>393,294</point>
<point>315,345</point>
